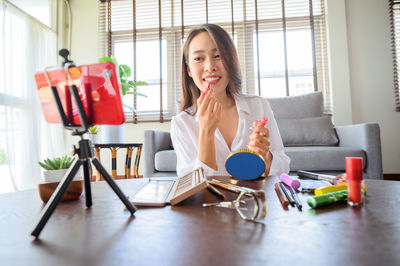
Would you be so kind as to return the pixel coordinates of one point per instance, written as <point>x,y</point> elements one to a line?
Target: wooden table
<point>188,234</point>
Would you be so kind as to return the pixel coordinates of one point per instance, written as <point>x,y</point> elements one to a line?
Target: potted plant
<point>55,171</point>
<point>56,168</point>
<point>115,134</point>
<point>93,133</point>
<point>127,86</point>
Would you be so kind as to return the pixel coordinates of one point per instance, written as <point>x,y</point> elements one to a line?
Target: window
<point>281,46</point>
<point>395,30</point>
<point>26,46</point>
<point>39,9</point>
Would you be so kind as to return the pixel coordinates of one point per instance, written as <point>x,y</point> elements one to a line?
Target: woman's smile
<point>212,80</point>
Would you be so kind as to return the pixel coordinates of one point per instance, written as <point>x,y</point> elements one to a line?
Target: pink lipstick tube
<point>289,181</point>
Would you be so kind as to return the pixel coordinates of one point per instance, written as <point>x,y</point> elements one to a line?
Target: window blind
<point>281,46</point>
<point>394,9</point>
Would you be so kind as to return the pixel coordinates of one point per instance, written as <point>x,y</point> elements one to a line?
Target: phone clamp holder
<point>85,152</point>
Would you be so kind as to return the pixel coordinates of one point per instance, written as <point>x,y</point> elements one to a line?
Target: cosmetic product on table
<point>333,188</point>
<point>354,171</point>
<point>310,185</point>
<point>327,199</point>
<point>289,181</point>
<point>215,191</point>
<point>225,185</point>
<point>281,197</point>
<point>287,193</point>
<point>334,180</point>
<point>295,198</point>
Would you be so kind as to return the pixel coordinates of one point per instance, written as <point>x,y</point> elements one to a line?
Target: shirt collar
<point>241,104</point>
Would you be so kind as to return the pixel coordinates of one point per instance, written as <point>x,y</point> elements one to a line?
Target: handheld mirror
<point>246,164</point>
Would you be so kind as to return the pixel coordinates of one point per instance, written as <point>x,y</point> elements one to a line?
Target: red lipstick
<point>204,94</point>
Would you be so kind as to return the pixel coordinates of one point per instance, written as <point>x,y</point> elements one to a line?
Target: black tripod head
<point>64,53</point>
<point>78,129</point>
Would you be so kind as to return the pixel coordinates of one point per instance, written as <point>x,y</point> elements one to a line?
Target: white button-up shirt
<point>185,138</point>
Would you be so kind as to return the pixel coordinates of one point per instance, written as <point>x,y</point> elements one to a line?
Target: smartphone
<point>98,88</point>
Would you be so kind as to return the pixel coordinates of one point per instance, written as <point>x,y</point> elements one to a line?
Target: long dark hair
<point>227,50</point>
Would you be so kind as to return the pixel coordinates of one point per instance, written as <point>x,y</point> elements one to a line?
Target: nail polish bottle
<point>354,171</point>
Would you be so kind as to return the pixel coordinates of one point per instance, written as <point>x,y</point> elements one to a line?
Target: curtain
<point>394,11</point>
<point>26,46</point>
<point>281,45</point>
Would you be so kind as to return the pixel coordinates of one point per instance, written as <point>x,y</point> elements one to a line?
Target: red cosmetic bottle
<point>354,171</point>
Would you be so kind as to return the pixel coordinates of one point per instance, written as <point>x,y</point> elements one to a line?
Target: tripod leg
<point>56,197</point>
<point>113,185</point>
<point>86,178</point>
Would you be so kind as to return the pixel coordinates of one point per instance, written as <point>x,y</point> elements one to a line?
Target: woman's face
<point>205,64</point>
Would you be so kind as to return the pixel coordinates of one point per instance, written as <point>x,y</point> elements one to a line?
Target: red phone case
<point>98,88</point>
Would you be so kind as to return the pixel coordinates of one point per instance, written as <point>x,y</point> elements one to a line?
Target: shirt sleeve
<point>280,161</point>
<point>186,148</point>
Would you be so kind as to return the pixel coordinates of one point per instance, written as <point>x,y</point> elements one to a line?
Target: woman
<point>213,123</point>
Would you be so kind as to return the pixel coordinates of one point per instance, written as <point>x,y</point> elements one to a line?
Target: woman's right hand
<point>209,112</point>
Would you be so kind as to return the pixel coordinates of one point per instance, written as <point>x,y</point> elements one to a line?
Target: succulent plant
<point>94,129</point>
<point>57,163</point>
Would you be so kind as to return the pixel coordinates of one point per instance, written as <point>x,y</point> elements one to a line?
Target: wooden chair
<point>128,160</point>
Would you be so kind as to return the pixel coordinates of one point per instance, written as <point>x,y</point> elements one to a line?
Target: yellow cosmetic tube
<point>329,189</point>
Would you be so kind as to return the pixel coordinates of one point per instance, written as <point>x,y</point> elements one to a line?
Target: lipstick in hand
<point>262,122</point>
<point>203,95</point>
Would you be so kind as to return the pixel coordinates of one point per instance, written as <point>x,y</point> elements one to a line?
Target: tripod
<point>84,152</point>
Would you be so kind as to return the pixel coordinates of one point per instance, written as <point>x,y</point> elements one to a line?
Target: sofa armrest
<point>366,137</point>
<point>154,141</point>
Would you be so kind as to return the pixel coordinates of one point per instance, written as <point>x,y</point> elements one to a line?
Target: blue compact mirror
<point>245,164</point>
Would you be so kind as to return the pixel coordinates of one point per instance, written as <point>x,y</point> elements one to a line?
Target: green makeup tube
<point>327,199</point>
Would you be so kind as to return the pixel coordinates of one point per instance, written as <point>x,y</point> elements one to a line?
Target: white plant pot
<point>112,134</point>
<point>51,176</point>
<point>94,138</point>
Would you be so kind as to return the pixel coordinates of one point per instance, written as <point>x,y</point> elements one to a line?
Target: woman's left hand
<point>259,140</point>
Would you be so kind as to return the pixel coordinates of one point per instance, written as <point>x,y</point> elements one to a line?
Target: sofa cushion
<point>165,161</point>
<point>306,105</point>
<point>317,131</point>
<point>321,158</point>
<point>171,145</point>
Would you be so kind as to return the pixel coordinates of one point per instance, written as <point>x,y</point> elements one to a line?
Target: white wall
<point>360,53</point>
<point>362,76</point>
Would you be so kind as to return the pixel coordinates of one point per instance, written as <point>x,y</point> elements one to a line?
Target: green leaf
<point>44,166</point>
<point>127,86</point>
<point>57,162</point>
<point>130,108</point>
<point>51,164</point>
<point>69,162</point>
<point>140,83</point>
<point>94,129</point>
<point>124,71</point>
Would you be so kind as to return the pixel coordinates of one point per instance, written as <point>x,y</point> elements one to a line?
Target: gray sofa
<point>310,140</point>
